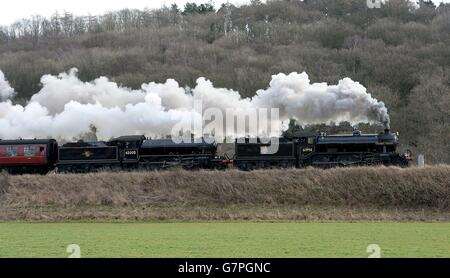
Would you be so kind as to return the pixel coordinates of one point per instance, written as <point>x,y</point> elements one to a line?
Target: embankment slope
<point>412,194</point>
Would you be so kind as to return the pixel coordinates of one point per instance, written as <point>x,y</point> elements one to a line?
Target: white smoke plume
<point>67,107</point>
<point>317,103</point>
<point>6,92</point>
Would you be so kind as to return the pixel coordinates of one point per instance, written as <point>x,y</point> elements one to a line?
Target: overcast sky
<point>12,10</point>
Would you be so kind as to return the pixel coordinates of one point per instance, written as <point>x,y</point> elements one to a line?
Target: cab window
<point>130,145</point>
<point>311,140</point>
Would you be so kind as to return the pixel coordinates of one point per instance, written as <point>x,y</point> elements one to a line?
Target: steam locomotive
<point>139,153</point>
<point>317,149</point>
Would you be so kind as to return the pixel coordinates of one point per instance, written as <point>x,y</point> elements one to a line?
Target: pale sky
<point>13,10</point>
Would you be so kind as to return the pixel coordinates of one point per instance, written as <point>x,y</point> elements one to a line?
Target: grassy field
<point>214,239</point>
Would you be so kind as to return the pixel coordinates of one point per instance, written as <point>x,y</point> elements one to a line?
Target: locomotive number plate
<point>131,155</point>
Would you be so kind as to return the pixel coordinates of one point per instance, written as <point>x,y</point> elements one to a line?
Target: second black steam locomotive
<point>139,153</point>
<point>318,149</point>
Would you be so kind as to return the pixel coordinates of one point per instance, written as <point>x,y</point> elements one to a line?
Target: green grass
<point>225,239</point>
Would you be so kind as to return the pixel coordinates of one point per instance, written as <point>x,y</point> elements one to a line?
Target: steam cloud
<point>317,103</point>
<point>67,107</point>
<point>6,92</point>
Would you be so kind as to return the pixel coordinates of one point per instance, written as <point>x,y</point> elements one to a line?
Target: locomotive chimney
<point>387,128</point>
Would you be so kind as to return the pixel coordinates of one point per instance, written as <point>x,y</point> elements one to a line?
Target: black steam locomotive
<point>317,149</point>
<point>136,152</point>
<point>139,153</point>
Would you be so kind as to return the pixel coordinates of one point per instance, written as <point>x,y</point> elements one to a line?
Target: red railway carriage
<point>28,156</point>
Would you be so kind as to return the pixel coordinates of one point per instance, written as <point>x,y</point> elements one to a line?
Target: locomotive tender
<point>299,150</point>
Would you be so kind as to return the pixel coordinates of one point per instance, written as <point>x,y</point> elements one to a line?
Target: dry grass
<point>309,194</point>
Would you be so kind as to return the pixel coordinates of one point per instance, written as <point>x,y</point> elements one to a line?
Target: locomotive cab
<point>129,149</point>
<point>306,145</point>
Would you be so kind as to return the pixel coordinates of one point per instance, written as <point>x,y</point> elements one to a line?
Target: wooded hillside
<point>400,52</point>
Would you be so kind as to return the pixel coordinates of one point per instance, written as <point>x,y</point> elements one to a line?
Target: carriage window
<point>11,151</point>
<point>28,151</point>
<point>42,150</point>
